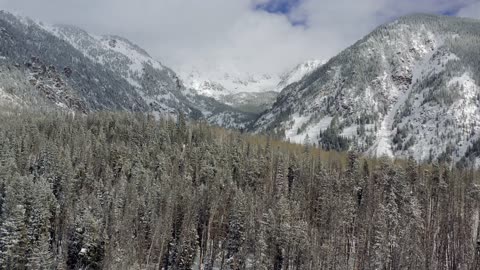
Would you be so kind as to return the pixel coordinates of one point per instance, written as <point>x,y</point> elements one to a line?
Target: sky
<point>268,36</point>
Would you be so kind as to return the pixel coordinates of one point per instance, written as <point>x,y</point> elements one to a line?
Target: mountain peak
<point>245,89</point>
<point>113,39</point>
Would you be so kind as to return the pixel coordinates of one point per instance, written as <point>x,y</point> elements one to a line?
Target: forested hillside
<point>123,191</point>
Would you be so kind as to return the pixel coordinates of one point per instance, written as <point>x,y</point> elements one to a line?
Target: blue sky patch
<point>283,7</point>
<point>279,6</point>
<point>450,12</point>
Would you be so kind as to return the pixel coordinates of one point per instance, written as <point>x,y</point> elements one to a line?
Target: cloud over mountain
<point>256,35</point>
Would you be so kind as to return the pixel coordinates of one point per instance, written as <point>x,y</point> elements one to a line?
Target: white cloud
<point>472,11</point>
<point>229,33</point>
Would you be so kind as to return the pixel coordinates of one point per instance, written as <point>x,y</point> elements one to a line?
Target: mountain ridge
<point>243,89</point>
<point>103,72</point>
<point>410,88</point>
<point>392,93</point>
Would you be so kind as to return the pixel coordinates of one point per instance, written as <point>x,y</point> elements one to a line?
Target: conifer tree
<point>13,231</point>
<point>122,191</point>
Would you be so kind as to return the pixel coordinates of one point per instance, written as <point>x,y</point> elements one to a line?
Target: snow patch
<point>6,98</point>
<point>138,60</point>
<point>428,65</point>
<point>349,132</point>
<point>106,50</point>
<point>311,132</point>
<point>218,82</point>
<point>298,73</point>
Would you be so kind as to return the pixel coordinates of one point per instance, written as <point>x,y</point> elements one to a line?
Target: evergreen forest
<point>128,191</point>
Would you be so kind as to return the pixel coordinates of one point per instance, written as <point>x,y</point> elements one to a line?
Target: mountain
<point>409,88</point>
<point>217,82</point>
<point>65,67</point>
<point>297,73</point>
<point>243,90</point>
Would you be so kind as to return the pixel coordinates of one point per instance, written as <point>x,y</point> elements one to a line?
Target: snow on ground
<point>217,82</point>
<point>116,53</point>
<point>138,59</point>
<point>349,132</point>
<point>8,99</point>
<point>106,50</point>
<point>297,122</point>
<point>435,126</point>
<point>226,119</point>
<point>311,132</point>
<point>298,73</point>
<point>133,82</point>
<point>383,143</point>
<point>433,137</point>
<point>466,111</point>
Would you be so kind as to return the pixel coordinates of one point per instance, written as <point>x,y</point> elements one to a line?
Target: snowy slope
<point>216,83</point>
<point>297,73</point>
<point>112,51</point>
<point>244,89</point>
<point>410,88</point>
<point>130,62</point>
<point>71,69</point>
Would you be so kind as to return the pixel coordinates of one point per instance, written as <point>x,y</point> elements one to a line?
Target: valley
<point>110,159</point>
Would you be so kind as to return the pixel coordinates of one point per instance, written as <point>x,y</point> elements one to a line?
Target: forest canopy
<point>126,191</point>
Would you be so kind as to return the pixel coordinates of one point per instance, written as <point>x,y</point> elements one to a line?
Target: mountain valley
<point>408,89</point>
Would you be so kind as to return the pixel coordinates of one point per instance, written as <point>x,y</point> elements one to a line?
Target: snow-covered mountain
<point>297,73</point>
<point>217,83</point>
<point>244,90</point>
<point>71,69</point>
<point>410,88</point>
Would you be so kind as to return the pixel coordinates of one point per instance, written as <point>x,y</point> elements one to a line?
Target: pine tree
<point>13,232</point>
<point>118,191</point>
<point>41,256</point>
<point>187,248</point>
